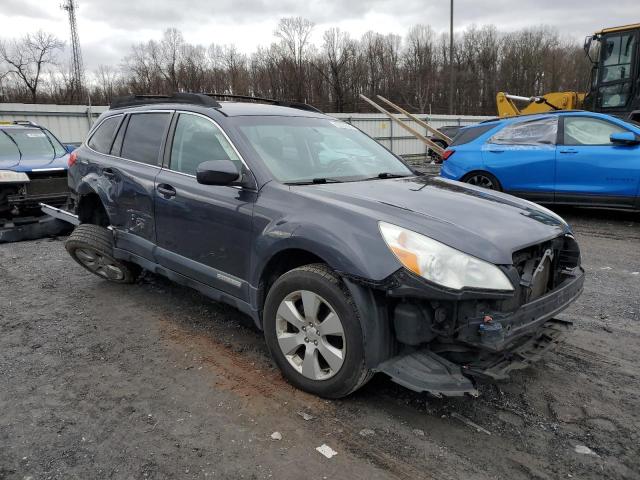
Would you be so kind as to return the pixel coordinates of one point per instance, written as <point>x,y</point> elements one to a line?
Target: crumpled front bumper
<point>423,370</point>
<point>527,334</point>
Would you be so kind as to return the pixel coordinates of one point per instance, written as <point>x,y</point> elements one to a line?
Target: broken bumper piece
<point>426,371</point>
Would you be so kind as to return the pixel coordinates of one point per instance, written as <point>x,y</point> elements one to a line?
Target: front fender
<point>348,251</point>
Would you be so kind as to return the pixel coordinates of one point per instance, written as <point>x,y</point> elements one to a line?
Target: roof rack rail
<point>138,100</point>
<point>26,123</point>
<point>272,101</point>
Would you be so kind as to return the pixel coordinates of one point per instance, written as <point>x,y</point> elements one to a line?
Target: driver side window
<point>196,140</point>
<point>588,131</point>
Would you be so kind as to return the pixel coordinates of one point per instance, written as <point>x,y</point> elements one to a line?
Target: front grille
<point>544,266</point>
<point>47,183</point>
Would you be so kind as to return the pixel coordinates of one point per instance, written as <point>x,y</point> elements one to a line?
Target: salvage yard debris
<point>326,450</point>
<point>468,422</point>
<point>584,450</point>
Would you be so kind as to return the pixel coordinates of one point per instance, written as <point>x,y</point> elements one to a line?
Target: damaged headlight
<point>440,263</point>
<point>9,176</point>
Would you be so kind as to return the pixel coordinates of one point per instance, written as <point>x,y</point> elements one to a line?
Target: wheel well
<point>281,263</point>
<point>91,210</point>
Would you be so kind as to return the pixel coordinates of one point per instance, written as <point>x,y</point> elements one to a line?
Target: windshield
<point>307,150</point>
<point>30,143</point>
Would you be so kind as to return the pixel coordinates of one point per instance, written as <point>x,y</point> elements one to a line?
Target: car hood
<point>26,164</point>
<point>483,223</point>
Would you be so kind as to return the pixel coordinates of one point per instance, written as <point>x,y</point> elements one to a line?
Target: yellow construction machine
<point>614,86</point>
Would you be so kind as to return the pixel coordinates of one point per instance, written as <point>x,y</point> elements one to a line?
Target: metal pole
<point>452,75</point>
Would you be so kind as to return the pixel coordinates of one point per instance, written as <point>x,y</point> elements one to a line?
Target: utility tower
<point>77,69</point>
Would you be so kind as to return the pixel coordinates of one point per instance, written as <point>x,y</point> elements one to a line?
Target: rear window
<point>101,140</point>
<point>144,135</point>
<point>467,135</point>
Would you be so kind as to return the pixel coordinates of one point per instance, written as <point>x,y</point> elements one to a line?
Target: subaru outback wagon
<point>348,260</point>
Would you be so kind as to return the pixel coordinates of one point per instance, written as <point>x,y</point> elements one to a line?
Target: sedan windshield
<point>317,150</point>
<point>30,143</point>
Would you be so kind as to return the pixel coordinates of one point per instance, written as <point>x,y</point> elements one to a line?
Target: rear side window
<point>533,132</point>
<point>144,135</point>
<point>470,134</point>
<point>101,140</point>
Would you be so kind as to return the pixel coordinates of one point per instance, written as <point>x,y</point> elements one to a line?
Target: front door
<point>590,169</point>
<point>203,231</point>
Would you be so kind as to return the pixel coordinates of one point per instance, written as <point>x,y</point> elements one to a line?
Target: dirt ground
<point>155,381</point>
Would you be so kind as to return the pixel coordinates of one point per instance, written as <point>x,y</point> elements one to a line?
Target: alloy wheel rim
<point>310,335</point>
<point>482,181</point>
<point>99,264</point>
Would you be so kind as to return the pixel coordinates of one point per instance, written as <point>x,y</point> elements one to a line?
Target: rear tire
<point>309,315</point>
<point>92,247</point>
<point>484,180</point>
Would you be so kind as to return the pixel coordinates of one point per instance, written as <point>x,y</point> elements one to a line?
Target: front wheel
<point>484,180</point>
<point>313,332</point>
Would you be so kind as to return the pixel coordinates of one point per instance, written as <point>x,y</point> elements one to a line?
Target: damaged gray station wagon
<point>350,261</point>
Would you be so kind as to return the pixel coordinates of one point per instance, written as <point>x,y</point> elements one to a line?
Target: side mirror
<point>70,148</point>
<point>624,138</point>
<point>217,172</point>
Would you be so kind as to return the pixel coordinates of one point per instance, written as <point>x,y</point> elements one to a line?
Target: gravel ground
<point>155,381</point>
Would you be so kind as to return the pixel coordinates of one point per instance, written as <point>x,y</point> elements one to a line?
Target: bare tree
<point>338,50</point>
<point>27,57</point>
<point>294,33</point>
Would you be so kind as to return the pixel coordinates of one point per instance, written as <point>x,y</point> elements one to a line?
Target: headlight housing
<point>9,176</point>
<point>440,263</point>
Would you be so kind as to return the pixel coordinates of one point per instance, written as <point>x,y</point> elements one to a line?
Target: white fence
<point>70,123</point>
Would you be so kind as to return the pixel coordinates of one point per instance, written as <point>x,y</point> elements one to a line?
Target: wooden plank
<point>434,146</point>
<point>420,122</point>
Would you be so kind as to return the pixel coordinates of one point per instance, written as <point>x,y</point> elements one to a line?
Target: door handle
<point>166,190</point>
<point>496,151</point>
<point>108,172</point>
<point>569,150</point>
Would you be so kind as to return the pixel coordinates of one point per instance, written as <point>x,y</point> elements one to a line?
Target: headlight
<point>441,264</point>
<point>9,176</point>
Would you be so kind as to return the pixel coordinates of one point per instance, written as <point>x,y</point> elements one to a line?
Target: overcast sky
<point>108,27</point>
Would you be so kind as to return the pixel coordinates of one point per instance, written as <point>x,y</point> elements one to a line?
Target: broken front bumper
<point>425,371</point>
<point>449,365</point>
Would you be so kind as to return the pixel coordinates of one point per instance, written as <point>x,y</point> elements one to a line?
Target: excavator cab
<point>614,86</point>
<point>615,77</point>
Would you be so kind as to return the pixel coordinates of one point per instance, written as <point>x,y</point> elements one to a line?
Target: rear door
<point>127,175</point>
<point>203,231</point>
<point>590,169</point>
<point>522,157</point>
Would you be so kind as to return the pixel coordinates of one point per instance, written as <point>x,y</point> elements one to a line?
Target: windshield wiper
<point>14,142</point>
<point>314,181</point>
<point>387,175</point>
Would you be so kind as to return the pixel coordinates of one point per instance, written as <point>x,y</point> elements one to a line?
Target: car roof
<point>538,116</point>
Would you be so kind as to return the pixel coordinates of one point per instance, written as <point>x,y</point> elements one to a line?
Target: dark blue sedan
<point>568,157</point>
<point>33,169</point>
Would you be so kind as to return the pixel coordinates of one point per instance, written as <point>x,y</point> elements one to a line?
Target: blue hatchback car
<point>567,157</point>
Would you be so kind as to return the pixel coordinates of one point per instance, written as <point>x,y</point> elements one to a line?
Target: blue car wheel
<point>483,179</point>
